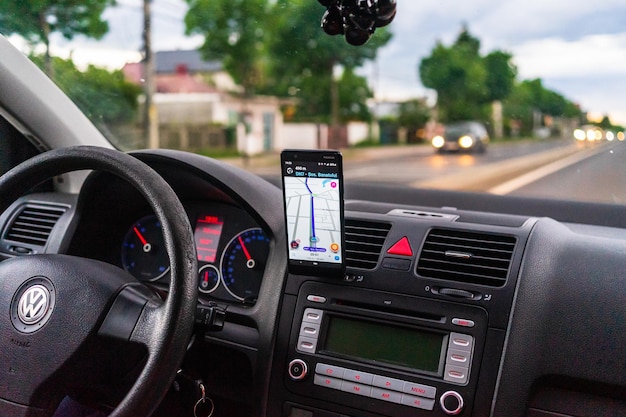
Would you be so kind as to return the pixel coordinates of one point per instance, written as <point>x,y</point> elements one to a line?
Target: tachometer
<point>143,250</point>
<point>243,263</point>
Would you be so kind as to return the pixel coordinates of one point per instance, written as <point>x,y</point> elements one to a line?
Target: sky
<point>577,47</point>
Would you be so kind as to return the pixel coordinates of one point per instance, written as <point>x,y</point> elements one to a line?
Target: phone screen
<point>313,201</point>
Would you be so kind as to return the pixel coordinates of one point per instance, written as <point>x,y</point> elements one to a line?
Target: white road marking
<point>532,176</point>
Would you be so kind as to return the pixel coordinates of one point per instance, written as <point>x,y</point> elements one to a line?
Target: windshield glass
<point>242,80</point>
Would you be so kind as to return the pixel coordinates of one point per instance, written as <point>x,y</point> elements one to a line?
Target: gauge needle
<point>250,263</point>
<point>146,246</point>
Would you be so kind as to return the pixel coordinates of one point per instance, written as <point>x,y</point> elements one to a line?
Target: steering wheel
<point>57,309</point>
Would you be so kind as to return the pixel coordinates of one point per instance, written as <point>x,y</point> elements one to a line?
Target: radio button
<point>358,389</point>
<point>311,330</point>
<point>297,369</point>
<point>419,390</point>
<point>418,402</point>
<point>327,382</point>
<point>316,299</point>
<point>312,315</point>
<point>306,344</point>
<point>387,395</point>
<point>458,358</point>
<point>463,322</point>
<point>388,383</point>
<point>452,403</point>
<point>461,342</point>
<point>456,374</point>
<point>329,370</point>
<point>357,376</point>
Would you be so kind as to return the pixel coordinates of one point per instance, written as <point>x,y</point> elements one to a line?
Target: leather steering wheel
<point>63,307</point>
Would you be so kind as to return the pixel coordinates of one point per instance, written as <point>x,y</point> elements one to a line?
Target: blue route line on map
<point>313,238</point>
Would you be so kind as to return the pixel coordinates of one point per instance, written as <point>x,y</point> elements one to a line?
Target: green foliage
<point>69,17</point>
<point>353,95</point>
<point>530,96</point>
<point>501,73</point>
<point>413,114</point>
<point>35,19</point>
<point>303,59</point>
<point>236,32</point>
<point>105,97</point>
<point>459,75</point>
<point>277,47</point>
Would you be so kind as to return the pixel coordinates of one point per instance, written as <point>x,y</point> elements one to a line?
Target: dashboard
<point>442,311</point>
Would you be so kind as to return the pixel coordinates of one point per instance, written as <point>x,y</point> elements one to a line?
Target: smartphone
<point>313,202</point>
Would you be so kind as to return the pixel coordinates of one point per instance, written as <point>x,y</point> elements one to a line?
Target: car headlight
<point>438,142</point>
<point>591,134</point>
<point>610,136</point>
<point>579,134</point>
<point>621,136</point>
<point>466,142</point>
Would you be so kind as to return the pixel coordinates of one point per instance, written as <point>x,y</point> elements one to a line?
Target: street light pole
<point>150,116</point>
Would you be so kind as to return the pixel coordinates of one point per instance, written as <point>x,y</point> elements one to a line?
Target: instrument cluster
<point>232,252</point>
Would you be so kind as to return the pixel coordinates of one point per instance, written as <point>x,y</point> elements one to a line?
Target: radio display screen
<point>381,343</point>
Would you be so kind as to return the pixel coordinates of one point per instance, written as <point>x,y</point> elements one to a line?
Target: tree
<point>36,20</point>
<point>530,98</point>
<point>458,75</point>
<point>501,73</point>
<point>413,116</point>
<point>104,96</point>
<point>304,59</point>
<point>235,32</point>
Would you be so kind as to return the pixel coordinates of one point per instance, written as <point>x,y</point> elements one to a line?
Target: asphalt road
<point>421,167</point>
<point>558,169</point>
<point>601,177</point>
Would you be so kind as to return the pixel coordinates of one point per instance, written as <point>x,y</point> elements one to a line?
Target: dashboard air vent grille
<point>364,242</point>
<point>34,224</point>
<point>477,258</point>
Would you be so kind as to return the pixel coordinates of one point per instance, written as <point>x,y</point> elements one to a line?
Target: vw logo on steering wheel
<point>33,304</point>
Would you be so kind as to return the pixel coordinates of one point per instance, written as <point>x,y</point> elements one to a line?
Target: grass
<point>219,153</point>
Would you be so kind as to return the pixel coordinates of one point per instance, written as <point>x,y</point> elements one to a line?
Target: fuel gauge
<point>208,279</point>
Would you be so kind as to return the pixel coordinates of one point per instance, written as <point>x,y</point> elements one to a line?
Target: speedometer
<point>243,263</point>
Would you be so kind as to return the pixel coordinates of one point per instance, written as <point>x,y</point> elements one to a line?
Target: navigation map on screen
<point>313,215</point>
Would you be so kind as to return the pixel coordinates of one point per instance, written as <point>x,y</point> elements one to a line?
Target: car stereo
<point>374,350</point>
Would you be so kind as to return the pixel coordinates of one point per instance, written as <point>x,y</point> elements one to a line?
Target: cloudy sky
<point>577,47</point>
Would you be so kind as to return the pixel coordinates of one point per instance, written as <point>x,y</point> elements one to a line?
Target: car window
<point>243,80</point>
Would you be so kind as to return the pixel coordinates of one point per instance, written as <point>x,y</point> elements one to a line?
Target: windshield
<point>242,80</point>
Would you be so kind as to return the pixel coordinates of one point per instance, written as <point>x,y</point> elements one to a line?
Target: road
<point>418,165</point>
<point>554,169</point>
<point>601,178</point>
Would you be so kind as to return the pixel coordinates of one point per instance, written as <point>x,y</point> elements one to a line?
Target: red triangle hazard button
<point>402,247</point>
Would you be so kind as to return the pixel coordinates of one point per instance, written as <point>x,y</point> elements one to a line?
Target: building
<point>200,106</point>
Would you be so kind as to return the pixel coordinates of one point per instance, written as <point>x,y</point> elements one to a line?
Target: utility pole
<point>150,114</point>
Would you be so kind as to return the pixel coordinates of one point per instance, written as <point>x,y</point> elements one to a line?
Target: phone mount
<point>356,19</point>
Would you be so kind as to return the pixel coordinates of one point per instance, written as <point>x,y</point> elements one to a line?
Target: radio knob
<point>451,402</point>
<point>297,369</point>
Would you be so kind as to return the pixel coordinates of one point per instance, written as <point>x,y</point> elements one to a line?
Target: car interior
<point>452,303</point>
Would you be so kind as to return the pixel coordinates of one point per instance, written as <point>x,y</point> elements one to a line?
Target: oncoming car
<point>462,136</point>
<point>143,277</point>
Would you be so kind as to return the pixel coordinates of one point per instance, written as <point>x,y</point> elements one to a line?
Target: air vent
<point>364,242</point>
<point>477,258</point>
<point>34,224</point>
